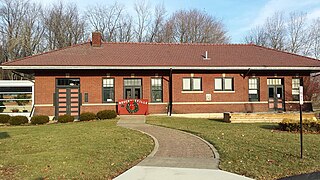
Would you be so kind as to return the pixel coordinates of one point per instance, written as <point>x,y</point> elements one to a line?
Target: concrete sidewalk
<point>169,173</point>
<point>177,155</point>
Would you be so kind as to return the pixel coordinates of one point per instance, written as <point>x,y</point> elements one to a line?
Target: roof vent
<point>205,56</point>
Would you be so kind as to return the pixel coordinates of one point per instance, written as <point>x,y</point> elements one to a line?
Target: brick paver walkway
<point>175,148</point>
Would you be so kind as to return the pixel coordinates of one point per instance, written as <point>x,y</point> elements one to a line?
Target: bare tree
<point>315,37</point>
<point>276,31</point>
<point>297,32</point>
<point>157,25</point>
<point>20,31</point>
<point>257,36</point>
<point>11,19</point>
<point>141,8</point>
<point>105,19</point>
<point>32,31</point>
<point>194,26</point>
<point>63,26</point>
<point>125,31</point>
<point>290,34</point>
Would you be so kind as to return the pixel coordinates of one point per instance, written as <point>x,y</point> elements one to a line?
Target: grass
<point>253,150</point>
<point>82,150</point>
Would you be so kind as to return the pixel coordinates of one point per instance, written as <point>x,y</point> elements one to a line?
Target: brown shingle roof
<point>164,54</point>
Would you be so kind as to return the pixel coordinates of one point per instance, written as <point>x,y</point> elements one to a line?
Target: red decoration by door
<point>133,106</point>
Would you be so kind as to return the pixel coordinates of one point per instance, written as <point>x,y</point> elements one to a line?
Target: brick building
<point>192,78</point>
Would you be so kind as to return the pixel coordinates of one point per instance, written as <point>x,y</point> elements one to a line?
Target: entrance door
<point>276,100</point>
<point>67,97</point>
<point>132,89</point>
<point>132,93</point>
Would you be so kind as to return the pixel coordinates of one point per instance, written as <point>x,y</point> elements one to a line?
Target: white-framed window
<point>254,89</point>
<point>223,84</point>
<point>295,89</point>
<point>156,90</point>
<point>191,84</point>
<point>108,90</point>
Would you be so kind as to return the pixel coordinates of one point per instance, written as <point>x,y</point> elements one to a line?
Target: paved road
<point>177,155</point>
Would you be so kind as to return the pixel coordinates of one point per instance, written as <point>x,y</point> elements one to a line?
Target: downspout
<point>170,93</point>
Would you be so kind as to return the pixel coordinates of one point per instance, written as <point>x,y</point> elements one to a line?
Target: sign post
<point>300,104</point>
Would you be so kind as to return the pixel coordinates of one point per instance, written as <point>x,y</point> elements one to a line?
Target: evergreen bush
<point>18,120</point>
<point>107,114</point>
<point>39,119</point>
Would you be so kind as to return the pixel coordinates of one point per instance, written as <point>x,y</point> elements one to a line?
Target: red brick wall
<point>44,88</point>
<point>91,83</point>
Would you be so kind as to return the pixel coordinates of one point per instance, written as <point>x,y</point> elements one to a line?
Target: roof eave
<point>310,68</point>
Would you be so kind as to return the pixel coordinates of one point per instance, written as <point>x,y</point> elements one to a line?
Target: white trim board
<point>100,104</point>
<point>43,105</point>
<point>194,103</point>
<point>297,102</point>
<point>177,103</point>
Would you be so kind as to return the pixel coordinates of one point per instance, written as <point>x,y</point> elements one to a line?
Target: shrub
<point>39,119</point>
<point>87,116</point>
<point>18,120</point>
<point>4,118</point>
<point>1,104</point>
<point>65,118</point>
<point>309,125</point>
<point>107,114</point>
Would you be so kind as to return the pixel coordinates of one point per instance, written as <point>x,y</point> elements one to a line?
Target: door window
<point>128,93</point>
<point>271,92</point>
<point>137,93</point>
<point>279,92</point>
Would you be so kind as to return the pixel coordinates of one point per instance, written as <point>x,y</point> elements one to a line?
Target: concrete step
<point>267,117</point>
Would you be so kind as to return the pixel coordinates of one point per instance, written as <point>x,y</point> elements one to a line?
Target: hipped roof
<point>164,55</point>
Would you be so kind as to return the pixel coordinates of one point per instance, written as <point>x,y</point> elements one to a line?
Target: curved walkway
<point>177,154</point>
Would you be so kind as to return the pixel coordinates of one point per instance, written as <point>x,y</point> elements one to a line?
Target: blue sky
<point>239,16</point>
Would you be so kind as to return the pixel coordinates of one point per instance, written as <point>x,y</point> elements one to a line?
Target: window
<point>274,82</point>
<point>68,82</point>
<point>254,89</point>
<point>223,84</point>
<point>108,90</point>
<point>191,84</point>
<point>156,90</point>
<point>295,88</point>
<point>86,97</point>
<point>132,82</point>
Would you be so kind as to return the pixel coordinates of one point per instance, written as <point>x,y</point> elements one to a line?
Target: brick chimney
<point>96,39</point>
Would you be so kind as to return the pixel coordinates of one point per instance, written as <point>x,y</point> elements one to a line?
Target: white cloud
<point>311,7</point>
<point>314,14</point>
<point>273,6</point>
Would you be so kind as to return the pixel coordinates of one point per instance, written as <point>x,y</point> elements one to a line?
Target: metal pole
<point>301,103</point>
<point>301,142</point>
<point>170,92</point>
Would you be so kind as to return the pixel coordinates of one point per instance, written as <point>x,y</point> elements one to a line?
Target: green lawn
<point>253,150</point>
<point>79,150</point>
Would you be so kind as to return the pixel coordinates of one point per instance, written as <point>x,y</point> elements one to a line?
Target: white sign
<point>301,94</point>
<point>208,97</point>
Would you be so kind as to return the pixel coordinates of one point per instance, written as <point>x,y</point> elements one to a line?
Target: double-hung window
<point>254,89</point>
<point>223,84</point>
<point>156,90</point>
<point>295,88</point>
<point>108,90</point>
<point>191,84</point>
